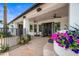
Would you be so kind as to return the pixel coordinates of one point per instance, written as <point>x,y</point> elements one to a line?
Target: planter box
<point>48,50</point>
<point>62,51</point>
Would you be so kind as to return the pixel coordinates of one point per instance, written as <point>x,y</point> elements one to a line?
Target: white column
<point>33,29</point>
<point>26,26</point>
<point>15,27</point>
<point>37,28</point>
<point>74,15</point>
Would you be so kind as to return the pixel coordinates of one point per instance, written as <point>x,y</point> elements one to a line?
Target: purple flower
<point>76,51</point>
<point>67,47</point>
<point>65,34</point>
<point>67,44</point>
<point>77,37</point>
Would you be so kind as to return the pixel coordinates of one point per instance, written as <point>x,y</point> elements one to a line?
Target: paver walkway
<point>33,48</point>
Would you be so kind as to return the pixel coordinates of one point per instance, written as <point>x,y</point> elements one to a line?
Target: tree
<point>5,18</point>
<point>5,22</point>
<point>0,21</point>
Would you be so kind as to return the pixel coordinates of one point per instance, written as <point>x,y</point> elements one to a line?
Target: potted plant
<point>66,40</point>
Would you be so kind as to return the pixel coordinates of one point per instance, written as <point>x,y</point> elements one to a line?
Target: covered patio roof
<point>63,11</point>
<point>60,9</point>
<point>28,10</point>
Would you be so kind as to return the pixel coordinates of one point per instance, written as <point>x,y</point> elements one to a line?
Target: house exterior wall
<point>12,28</point>
<point>63,21</point>
<point>74,15</point>
<point>45,8</point>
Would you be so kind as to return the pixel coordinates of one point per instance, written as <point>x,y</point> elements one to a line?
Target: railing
<point>9,38</point>
<point>10,41</point>
<point>12,37</point>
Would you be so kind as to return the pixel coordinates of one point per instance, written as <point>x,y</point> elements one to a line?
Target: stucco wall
<point>63,21</point>
<point>74,14</point>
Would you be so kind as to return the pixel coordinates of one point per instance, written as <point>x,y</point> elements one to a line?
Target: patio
<point>33,48</point>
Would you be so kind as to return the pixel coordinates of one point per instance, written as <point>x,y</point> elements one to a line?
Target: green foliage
<point>2,34</point>
<point>74,46</point>
<point>29,37</point>
<point>4,48</point>
<point>0,21</point>
<point>24,40</point>
<point>71,46</point>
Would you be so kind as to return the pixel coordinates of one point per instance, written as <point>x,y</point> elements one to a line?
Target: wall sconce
<point>24,16</point>
<point>39,9</point>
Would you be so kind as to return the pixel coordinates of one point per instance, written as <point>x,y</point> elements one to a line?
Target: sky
<point>14,9</point>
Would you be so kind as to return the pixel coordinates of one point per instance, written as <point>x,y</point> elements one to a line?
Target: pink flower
<point>65,34</point>
<point>60,45</point>
<point>77,41</point>
<point>58,33</point>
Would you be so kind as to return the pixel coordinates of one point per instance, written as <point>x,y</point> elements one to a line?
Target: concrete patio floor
<point>33,48</point>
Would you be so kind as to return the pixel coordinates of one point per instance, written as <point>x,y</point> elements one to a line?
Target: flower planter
<point>62,51</point>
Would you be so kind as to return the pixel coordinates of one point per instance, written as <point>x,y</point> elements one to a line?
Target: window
<point>31,28</point>
<point>56,26</point>
<point>35,28</point>
<point>12,28</point>
<point>40,28</point>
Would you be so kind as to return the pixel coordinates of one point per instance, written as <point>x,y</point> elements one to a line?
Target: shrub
<point>4,48</point>
<point>28,37</point>
<point>23,40</point>
<point>2,34</point>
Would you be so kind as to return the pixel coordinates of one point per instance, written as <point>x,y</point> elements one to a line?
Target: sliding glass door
<point>55,27</point>
<point>46,29</point>
<point>49,28</point>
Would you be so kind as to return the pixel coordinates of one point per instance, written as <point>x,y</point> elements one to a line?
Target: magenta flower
<point>54,36</point>
<point>77,41</point>
<point>65,34</point>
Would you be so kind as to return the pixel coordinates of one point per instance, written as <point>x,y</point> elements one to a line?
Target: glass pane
<point>40,28</point>
<point>56,26</point>
<point>31,28</point>
<point>35,28</point>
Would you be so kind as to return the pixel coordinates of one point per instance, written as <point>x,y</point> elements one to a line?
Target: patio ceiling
<point>63,11</point>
